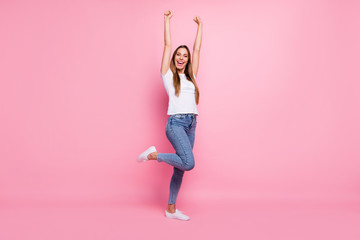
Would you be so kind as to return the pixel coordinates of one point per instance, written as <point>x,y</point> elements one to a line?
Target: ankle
<point>171,208</point>
<point>152,156</point>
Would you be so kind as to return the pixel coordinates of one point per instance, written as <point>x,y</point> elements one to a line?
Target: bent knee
<point>189,167</point>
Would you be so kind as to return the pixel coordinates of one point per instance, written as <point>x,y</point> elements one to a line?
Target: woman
<point>178,76</point>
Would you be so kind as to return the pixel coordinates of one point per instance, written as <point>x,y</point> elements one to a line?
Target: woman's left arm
<point>197,46</point>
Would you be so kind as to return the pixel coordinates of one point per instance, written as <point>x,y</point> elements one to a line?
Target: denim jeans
<point>180,130</point>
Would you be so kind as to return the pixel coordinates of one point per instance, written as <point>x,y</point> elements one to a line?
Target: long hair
<point>188,73</point>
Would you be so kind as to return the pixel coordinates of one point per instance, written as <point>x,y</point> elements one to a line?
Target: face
<point>181,59</point>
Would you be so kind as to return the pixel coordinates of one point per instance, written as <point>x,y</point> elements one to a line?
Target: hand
<point>167,15</point>
<point>197,20</point>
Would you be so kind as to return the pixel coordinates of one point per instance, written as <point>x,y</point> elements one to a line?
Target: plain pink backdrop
<point>81,96</point>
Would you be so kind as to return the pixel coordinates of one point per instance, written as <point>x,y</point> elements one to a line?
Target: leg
<point>178,174</point>
<point>175,185</point>
<point>184,157</point>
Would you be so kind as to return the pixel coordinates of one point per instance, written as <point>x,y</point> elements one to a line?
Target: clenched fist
<point>167,15</point>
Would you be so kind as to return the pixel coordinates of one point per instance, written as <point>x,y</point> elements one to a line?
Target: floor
<point>233,219</point>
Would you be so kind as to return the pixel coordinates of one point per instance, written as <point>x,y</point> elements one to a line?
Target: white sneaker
<point>143,156</point>
<point>177,215</point>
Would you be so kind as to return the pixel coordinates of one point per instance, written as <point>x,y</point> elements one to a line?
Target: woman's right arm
<point>165,63</point>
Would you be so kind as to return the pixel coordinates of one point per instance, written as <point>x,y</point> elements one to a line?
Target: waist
<point>184,114</point>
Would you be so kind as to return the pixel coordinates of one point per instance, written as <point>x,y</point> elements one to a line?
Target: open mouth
<point>180,63</point>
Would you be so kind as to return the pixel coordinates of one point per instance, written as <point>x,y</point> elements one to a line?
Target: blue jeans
<point>180,130</point>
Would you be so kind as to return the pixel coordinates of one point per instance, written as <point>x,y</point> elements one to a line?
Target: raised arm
<point>197,46</point>
<point>165,63</point>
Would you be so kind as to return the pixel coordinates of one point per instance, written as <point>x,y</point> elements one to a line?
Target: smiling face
<point>181,59</point>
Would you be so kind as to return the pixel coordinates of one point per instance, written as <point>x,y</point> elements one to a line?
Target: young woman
<point>179,75</point>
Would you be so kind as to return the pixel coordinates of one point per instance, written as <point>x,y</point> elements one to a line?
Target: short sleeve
<point>166,74</point>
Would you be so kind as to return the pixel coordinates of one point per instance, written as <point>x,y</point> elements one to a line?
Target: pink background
<point>81,96</point>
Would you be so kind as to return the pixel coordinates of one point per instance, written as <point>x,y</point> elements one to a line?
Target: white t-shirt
<point>185,103</point>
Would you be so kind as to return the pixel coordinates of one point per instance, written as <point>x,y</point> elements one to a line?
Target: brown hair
<point>188,73</point>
